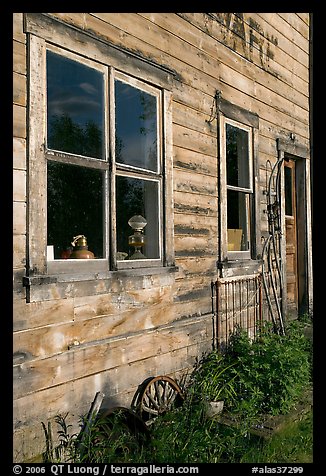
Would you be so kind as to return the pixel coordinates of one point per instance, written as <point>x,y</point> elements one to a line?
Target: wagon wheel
<point>156,396</point>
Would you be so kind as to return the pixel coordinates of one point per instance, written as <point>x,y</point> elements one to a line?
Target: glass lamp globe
<point>137,240</point>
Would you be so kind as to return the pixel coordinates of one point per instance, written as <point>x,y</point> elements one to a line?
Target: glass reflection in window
<point>237,157</point>
<point>288,190</point>
<point>75,107</point>
<point>238,218</point>
<point>137,197</point>
<point>136,127</point>
<point>74,207</point>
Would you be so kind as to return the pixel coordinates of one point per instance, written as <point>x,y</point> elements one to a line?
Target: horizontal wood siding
<point>78,337</point>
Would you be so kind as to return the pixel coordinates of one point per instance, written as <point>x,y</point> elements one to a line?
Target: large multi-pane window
<point>104,162</point>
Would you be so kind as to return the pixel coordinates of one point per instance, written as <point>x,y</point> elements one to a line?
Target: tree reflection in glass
<point>74,206</point>
<point>136,127</point>
<point>75,107</point>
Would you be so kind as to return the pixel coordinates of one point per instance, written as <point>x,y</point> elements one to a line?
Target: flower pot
<point>214,408</point>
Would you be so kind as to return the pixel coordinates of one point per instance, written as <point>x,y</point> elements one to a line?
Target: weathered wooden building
<point>199,123</point>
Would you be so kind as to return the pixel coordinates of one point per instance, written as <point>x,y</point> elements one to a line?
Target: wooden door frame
<point>300,153</point>
<point>291,163</point>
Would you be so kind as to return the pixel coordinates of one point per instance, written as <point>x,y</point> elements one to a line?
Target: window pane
<point>288,190</point>
<point>136,127</point>
<point>238,219</point>
<point>74,207</point>
<point>75,111</point>
<point>137,197</point>
<point>237,157</point>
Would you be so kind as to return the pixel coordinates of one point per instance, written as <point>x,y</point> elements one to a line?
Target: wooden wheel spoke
<point>172,397</point>
<point>157,397</point>
<point>151,400</point>
<point>165,393</point>
<point>152,411</point>
<point>158,392</point>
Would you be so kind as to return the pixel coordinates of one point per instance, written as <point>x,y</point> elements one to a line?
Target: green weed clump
<point>271,371</point>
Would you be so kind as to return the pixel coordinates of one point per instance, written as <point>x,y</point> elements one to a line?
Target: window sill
<point>68,278</point>
<point>239,267</point>
<point>61,286</point>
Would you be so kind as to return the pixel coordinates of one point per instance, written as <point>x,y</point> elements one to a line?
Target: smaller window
<point>238,187</point>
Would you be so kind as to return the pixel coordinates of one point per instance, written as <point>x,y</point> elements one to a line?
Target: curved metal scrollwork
<point>272,270</point>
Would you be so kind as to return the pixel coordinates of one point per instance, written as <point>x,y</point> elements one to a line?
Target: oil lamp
<point>137,240</point>
<point>81,251</point>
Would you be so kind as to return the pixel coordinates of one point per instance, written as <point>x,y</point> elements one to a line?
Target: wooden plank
<point>213,28</point>
<point>186,32</point>
<point>305,17</point>
<point>193,119</point>
<point>132,316</point>
<point>168,184</point>
<point>265,95</point>
<point>19,218</point>
<point>18,33</point>
<point>37,163</point>
<point>189,267</point>
<point>19,121</point>
<point>19,185</point>
<point>194,162</point>
<point>187,309</point>
<point>291,47</point>
<point>31,315</point>
<point>19,153</point>
<point>271,131</point>
<point>200,100</point>
<point>109,353</point>
<point>86,307</point>
<point>90,45</point>
<point>19,89</point>
<point>19,251</point>
<point>196,287</point>
<point>268,113</point>
<point>238,80</point>
<point>61,287</point>
<point>19,291</point>
<point>113,381</point>
<point>19,57</point>
<point>198,205</point>
<point>190,245</point>
<point>200,224</point>
<point>297,33</point>
<point>194,141</point>
<point>150,34</point>
<point>76,19</point>
<point>191,182</point>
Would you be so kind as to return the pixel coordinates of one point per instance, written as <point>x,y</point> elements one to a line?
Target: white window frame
<point>38,155</point>
<point>124,170</point>
<point>249,191</point>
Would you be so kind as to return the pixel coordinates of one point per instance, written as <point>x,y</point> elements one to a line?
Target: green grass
<point>292,444</point>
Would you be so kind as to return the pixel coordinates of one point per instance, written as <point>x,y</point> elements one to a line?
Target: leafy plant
<point>272,370</point>
<point>213,379</point>
<point>66,450</point>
